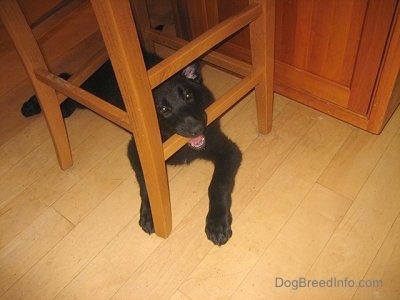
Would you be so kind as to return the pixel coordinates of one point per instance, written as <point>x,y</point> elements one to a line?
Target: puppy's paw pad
<point>218,231</point>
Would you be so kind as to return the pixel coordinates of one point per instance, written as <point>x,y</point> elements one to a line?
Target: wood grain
<point>295,213</point>
<point>287,221</point>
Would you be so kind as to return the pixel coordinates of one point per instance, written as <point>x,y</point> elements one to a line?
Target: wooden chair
<point>121,39</point>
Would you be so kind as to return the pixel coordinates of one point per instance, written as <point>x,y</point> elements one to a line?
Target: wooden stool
<point>136,83</point>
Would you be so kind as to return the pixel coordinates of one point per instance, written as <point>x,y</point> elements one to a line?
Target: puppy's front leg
<point>146,219</point>
<point>219,217</point>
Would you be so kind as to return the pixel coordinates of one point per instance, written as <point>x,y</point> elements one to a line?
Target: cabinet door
<point>331,50</point>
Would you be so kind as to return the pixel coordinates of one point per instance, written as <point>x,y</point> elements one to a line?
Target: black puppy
<point>180,103</point>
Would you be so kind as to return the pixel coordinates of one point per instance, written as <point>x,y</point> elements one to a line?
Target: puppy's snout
<point>196,125</point>
<point>192,125</point>
<point>196,128</point>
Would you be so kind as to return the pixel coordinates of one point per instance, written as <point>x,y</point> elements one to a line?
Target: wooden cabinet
<point>339,56</point>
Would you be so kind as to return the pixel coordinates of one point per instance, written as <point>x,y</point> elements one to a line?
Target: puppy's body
<point>180,103</point>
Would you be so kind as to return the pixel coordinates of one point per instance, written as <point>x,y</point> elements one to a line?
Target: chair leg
<point>122,43</point>
<point>55,122</point>
<point>32,58</point>
<point>262,35</point>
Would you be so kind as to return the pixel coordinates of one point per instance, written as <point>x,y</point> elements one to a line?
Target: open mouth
<point>198,142</point>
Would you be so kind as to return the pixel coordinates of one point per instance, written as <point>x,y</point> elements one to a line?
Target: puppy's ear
<point>192,72</point>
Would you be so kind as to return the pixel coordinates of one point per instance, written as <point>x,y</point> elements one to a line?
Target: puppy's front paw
<point>146,221</point>
<point>218,230</point>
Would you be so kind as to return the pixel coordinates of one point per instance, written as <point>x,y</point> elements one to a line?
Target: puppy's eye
<point>188,94</point>
<point>164,109</point>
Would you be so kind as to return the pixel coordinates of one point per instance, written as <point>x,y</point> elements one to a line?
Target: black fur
<point>180,103</point>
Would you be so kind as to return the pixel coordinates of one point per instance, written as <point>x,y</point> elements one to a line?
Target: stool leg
<point>122,43</point>
<point>32,58</point>
<point>262,36</point>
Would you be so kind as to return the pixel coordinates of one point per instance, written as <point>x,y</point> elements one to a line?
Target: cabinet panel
<point>321,36</point>
<point>336,41</point>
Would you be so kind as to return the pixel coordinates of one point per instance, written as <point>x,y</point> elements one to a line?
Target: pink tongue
<point>197,142</point>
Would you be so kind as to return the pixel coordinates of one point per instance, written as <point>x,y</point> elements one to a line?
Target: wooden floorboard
<point>315,199</point>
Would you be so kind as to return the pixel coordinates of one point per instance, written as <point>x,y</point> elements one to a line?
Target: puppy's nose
<point>196,128</point>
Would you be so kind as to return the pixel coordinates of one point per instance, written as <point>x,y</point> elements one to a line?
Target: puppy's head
<point>180,104</point>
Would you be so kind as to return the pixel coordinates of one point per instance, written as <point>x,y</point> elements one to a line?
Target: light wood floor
<point>316,199</point>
